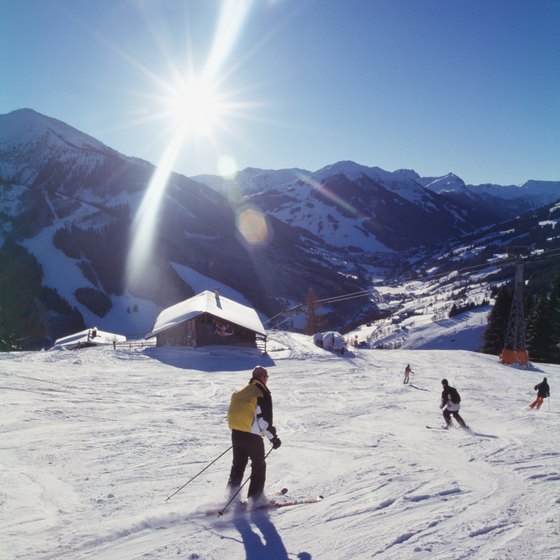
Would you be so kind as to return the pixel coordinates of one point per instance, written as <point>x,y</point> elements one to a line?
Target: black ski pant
<point>447,416</point>
<point>248,446</point>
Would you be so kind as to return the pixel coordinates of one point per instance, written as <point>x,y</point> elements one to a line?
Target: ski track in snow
<point>94,441</point>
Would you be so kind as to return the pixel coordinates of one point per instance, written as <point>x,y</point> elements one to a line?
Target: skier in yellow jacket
<point>250,419</point>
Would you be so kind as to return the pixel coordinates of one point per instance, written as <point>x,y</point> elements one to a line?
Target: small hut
<point>208,319</point>
<point>89,338</point>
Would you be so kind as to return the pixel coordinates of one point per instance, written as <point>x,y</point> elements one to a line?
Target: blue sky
<point>464,86</point>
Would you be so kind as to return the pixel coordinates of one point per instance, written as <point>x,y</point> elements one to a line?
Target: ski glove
<point>276,443</point>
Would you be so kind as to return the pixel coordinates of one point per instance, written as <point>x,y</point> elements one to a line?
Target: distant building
<point>208,319</point>
<point>88,338</point>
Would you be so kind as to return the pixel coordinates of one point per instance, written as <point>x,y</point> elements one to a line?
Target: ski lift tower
<point>515,350</point>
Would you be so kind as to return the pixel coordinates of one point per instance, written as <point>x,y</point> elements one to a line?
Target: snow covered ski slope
<point>93,441</point>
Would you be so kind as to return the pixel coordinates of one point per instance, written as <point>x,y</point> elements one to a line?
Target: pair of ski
<point>281,499</point>
<point>444,429</point>
<point>276,500</point>
<point>467,429</point>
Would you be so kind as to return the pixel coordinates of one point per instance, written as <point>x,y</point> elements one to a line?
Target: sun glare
<point>194,108</point>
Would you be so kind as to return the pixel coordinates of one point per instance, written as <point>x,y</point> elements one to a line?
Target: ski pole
<point>220,513</point>
<point>189,481</point>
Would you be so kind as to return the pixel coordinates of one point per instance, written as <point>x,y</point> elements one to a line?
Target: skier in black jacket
<point>543,391</point>
<point>450,400</point>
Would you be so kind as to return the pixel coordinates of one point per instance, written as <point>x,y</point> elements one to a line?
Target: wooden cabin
<point>208,319</point>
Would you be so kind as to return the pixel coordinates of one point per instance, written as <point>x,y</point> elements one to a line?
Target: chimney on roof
<point>217,294</point>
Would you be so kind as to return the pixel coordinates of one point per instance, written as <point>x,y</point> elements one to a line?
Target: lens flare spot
<point>227,167</point>
<point>253,227</point>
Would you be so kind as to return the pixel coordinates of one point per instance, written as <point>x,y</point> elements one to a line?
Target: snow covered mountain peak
<point>28,127</point>
<point>68,200</point>
<point>449,182</point>
<point>349,169</point>
<point>263,179</point>
<point>252,180</point>
<point>355,171</point>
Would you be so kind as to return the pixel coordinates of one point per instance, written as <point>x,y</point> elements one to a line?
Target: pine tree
<point>543,325</point>
<point>554,308</point>
<point>498,318</point>
<point>539,330</point>
<point>21,313</point>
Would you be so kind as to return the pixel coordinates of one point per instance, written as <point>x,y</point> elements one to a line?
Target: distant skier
<point>450,403</point>
<point>407,372</point>
<point>250,418</point>
<point>543,391</point>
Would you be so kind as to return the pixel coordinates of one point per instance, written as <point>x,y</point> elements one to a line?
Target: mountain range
<point>69,204</point>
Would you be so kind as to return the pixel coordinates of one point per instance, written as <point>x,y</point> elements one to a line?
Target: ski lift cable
<point>362,293</point>
<point>499,264</point>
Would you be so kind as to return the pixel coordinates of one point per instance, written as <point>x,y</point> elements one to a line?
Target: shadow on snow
<point>270,545</point>
<point>210,358</point>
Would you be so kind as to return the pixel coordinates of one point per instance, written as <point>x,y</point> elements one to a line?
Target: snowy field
<point>93,441</point>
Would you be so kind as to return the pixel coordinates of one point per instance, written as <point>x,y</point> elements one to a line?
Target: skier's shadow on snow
<point>269,546</point>
<point>416,387</point>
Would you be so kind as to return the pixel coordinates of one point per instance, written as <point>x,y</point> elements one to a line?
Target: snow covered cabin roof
<point>89,337</point>
<point>212,303</point>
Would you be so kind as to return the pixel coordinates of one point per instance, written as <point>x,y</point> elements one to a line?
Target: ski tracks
<point>469,491</point>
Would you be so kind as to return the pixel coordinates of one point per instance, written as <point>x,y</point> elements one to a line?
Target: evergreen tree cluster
<point>20,287</point>
<point>543,326</point>
<point>458,309</point>
<point>542,322</point>
<point>31,315</point>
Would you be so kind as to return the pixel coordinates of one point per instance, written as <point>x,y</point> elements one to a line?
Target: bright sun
<point>194,107</point>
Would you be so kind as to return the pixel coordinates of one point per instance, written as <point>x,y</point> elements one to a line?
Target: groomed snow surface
<point>95,440</point>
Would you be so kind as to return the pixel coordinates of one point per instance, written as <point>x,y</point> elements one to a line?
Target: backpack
<point>454,396</point>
